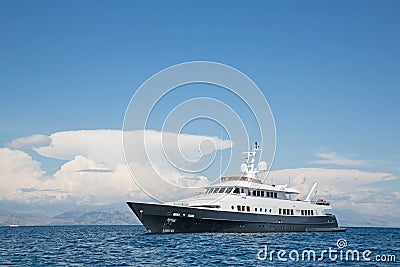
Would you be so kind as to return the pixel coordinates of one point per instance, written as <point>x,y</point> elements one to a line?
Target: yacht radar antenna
<point>250,171</point>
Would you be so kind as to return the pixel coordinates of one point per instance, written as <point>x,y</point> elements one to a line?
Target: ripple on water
<point>128,246</point>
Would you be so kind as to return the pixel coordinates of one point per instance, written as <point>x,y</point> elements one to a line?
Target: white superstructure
<point>248,194</point>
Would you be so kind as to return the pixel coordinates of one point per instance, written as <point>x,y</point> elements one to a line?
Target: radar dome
<point>262,166</point>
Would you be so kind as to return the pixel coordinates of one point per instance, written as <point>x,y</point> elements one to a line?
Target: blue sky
<point>330,70</point>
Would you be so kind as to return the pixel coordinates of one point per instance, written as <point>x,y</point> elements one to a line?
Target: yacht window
<point>280,211</point>
<point>275,195</point>
<point>312,212</point>
<point>241,190</point>
<point>302,212</point>
<point>258,193</point>
<point>255,209</point>
<point>262,193</point>
<point>267,194</point>
<point>215,190</point>
<point>291,212</point>
<point>284,211</point>
<point>243,208</point>
<point>221,190</point>
<point>254,193</point>
<point>238,208</point>
<point>228,190</point>
<point>236,191</point>
<point>207,190</point>
<point>248,208</point>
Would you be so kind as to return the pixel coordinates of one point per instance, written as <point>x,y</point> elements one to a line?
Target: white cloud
<point>101,146</point>
<point>332,158</point>
<point>95,171</point>
<point>330,180</point>
<point>17,170</point>
<point>30,142</point>
<point>349,190</point>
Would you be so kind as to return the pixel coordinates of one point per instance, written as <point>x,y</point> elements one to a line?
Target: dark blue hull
<point>160,218</point>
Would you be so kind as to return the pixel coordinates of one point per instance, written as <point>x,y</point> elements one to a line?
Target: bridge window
<point>221,190</point>
<point>254,193</point>
<point>228,190</point>
<point>236,191</point>
<point>275,195</point>
<point>262,193</point>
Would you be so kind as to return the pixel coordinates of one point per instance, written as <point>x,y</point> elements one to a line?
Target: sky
<point>330,71</point>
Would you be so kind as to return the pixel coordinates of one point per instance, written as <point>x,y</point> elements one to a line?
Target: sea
<point>132,246</point>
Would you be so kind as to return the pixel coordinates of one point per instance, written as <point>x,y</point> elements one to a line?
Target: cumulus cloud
<point>332,181</point>
<point>102,146</point>
<point>332,158</point>
<point>30,142</point>
<point>351,191</point>
<point>95,171</point>
<point>17,170</point>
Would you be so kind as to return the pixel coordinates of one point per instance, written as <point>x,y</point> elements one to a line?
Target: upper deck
<point>250,184</point>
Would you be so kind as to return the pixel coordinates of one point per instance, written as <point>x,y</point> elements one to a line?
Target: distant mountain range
<point>107,217</point>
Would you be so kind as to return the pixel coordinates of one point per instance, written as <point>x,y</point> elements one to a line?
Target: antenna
<point>220,164</point>
<point>220,159</point>
<point>250,169</point>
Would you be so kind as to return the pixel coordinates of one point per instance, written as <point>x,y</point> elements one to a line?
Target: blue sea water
<point>130,246</point>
